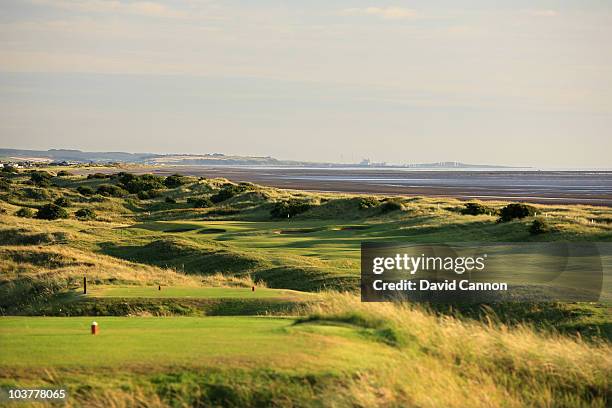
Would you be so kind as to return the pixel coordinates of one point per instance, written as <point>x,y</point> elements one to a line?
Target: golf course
<point>208,292</point>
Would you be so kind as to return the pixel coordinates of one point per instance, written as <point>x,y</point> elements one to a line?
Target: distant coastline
<point>71,156</point>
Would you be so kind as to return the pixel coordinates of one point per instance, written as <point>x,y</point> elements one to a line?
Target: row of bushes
<point>508,213</point>
<point>54,212</point>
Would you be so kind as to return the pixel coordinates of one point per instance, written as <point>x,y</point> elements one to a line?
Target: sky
<point>526,83</point>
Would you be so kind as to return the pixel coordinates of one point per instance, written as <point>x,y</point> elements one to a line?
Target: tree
<point>51,212</point>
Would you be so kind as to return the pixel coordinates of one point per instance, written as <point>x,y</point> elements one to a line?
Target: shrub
<point>63,173</point>
<point>368,202</point>
<point>227,191</point>
<point>390,205</point>
<point>200,202</point>
<point>110,190</point>
<point>173,181</point>
<point>5,185</point>
<point>51,212</point>
<point>36,193</point>
<point>538,226</point>
<point>98,176</point>
<point>40,178</point>
<point>85,190</point>
<point>475,209</point>
<point>124,178</point>
<point>9,169</point>
<point>148,194</point>
<point>170,200</point>
<point>287,209</point>
<point>514,211</point>
<point>85,214</point>
<point>146,182</point>
<point>24,212</point>
<point>62,202</point>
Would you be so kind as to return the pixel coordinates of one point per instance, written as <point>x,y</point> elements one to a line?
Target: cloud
<point>542,13</point>
<point>395,13</point>
<point>138,8</point>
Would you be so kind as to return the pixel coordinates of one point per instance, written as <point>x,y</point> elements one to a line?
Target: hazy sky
<point>506,82</point>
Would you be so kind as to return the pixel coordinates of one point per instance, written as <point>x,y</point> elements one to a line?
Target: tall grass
<point>449,362</point>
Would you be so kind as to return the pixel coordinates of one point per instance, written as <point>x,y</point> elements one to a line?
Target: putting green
<point>125,342</point>
<point>196,293</point>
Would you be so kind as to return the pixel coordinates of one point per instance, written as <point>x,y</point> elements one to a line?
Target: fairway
<point>195,293</point>
<point>181,341</point>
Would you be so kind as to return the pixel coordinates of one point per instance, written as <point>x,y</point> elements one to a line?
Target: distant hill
<point>212,159</point>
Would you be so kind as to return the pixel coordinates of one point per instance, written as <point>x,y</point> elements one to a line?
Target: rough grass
<point>478,364</point>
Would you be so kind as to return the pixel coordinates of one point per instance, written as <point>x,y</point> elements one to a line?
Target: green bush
<point>514,211</point>
<point>40,178</point>
<point>390,205</point>
<point>36,193</point>
<point>64,173</point>
<point>123,177</point>
<point>538,226</point>
<point>98,176</point>
<point>24,212</point>
<point>227,191</point>
<point>200,202</point>
<point>170,200</point>
<point>62,202</point>
<point>85,190</point>
<point>149,194</point>
<point>111,190</point>
<point>288,209</point>
<point>367,202</point>
<point>5,185</point>
<point>174,181</point>
<point>145,182</point>
<point>51,212</point>
<point>475,209</point>
<point>9,169</point>
<point>85,214</point>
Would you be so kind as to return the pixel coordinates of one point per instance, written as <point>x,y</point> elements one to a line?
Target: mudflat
<point>546,187</point>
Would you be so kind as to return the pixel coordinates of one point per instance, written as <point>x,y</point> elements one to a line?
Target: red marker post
<point>94,328</point>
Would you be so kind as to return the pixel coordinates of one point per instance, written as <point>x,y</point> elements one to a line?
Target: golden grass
<point>450,362</point>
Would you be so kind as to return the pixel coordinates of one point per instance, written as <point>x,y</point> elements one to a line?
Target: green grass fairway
<point>195,293</point>
<point>128,343</point>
